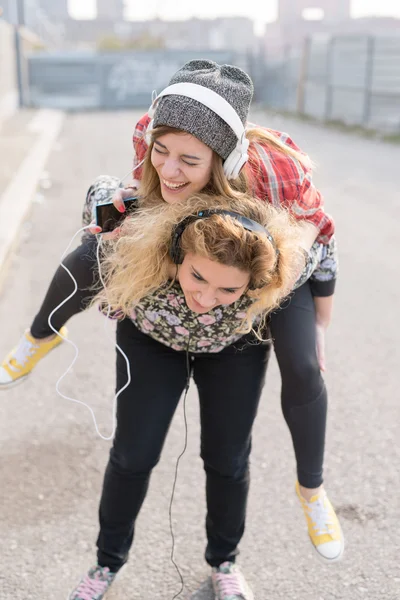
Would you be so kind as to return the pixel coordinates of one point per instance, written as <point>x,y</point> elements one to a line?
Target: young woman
<point>192,148</point>
<point>191,283</point>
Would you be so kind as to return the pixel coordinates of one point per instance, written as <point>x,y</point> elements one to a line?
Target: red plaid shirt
<point>276,177</point>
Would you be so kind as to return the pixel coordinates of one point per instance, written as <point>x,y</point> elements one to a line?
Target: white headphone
<point>238,157</point>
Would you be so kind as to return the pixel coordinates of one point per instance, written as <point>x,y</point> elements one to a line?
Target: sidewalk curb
<point>17,197</point>
<point>8,106</point>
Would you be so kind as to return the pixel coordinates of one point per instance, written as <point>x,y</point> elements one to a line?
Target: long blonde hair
<point>139,262</point>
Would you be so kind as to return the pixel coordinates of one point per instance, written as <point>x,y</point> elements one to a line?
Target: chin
<point>201,311</point>
<point>196,308</point>
<point>171,199</point>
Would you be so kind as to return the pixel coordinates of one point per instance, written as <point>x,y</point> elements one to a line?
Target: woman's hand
<point>122,194</point>
<point>112,235</point>
<point>118,198</point>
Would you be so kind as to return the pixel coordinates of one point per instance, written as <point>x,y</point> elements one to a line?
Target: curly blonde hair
<point>139,262</point>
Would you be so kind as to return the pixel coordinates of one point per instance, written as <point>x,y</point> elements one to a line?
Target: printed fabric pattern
<point>165,317</point>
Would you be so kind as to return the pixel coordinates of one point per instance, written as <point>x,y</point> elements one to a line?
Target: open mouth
<point>174,187</point>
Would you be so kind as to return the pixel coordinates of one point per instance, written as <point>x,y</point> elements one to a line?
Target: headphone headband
<point>246,223</point>
<point>209,98</point>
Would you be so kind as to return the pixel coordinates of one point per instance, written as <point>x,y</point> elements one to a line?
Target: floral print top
<point>166,317</point>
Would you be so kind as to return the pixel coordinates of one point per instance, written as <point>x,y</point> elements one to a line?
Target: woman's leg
<point>304,405</point>
<point>81,262</point>
<point>304,396</point>
<point>145,411</point>
<point>83,265</point>
<point>41,339</point>
<point>230,384</point>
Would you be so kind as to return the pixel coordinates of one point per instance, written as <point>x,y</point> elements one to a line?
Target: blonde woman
<point>193,148</point>
<point>192,283</point>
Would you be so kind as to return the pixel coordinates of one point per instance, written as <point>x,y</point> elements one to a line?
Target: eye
<point>229,291</point>
<point>158,151</point>
<point>188,163</point>
<point>196,276</point>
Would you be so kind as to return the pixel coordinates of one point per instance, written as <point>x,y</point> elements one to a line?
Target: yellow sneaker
<point>20,362</point>
<point>323,526</point>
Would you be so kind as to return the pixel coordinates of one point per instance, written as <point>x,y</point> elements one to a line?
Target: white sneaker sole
<point>335,559</point>
<point>11,384</point>
<point>249,597</point>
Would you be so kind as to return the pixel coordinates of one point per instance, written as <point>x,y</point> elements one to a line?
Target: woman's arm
<point>310,234</point>
<point>323,313</point>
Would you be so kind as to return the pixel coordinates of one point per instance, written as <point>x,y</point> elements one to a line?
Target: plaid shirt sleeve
<point>285,181</point>
<point>139,145</point>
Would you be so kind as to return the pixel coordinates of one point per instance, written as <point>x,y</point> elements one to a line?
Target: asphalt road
<point>52,462</point>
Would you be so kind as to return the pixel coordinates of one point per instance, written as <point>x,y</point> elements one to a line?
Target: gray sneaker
<point>229,583</point>
<point>94,585</point>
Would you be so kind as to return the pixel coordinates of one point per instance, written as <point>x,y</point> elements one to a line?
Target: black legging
<point>304,397</point>
<point>229,383</point>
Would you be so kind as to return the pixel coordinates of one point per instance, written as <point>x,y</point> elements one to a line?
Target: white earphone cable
<point>106,438</point>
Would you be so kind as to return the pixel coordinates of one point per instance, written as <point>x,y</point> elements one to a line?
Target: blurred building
<point>335,11</point>
<point>56,10</point>
<point>217,34</point>
<point>110,10</point>
<point>294,24</point>
<point>235,33</point>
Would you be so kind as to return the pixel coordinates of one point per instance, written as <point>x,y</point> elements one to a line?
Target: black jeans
<point>229,385</point>
<point>303,397</point>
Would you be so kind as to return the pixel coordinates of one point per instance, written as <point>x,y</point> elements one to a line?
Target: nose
<point>170,168</point>
<point>207,298</point>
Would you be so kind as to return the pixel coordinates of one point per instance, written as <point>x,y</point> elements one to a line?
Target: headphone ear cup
<point>234,163</point>
<point>237,159</point>
<point>149,131</point>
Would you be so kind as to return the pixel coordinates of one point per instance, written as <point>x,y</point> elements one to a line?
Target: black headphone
<point>248,224</point>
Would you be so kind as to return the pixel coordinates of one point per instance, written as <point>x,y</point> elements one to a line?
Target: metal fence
<point>73,80</point>
<point>352,79</point>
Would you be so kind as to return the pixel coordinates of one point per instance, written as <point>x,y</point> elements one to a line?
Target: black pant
<point>229,385</point>
<point>304,397</point>
<point>83,265</point>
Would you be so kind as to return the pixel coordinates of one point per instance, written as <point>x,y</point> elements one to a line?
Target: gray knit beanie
<point>192,116</point>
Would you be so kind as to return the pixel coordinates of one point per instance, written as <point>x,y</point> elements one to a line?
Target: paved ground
<point>51,462</point>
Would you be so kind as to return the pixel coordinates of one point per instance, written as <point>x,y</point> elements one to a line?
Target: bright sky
<point>182,9</point>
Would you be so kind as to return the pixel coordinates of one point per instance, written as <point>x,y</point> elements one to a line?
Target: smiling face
<point>207,284</point>
<point>183,164</point>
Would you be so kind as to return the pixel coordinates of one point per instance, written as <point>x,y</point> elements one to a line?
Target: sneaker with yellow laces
<point>323,526</point>
<point>20,362</point>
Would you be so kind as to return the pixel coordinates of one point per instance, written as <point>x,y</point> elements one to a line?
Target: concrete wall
<point>8,84</point>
